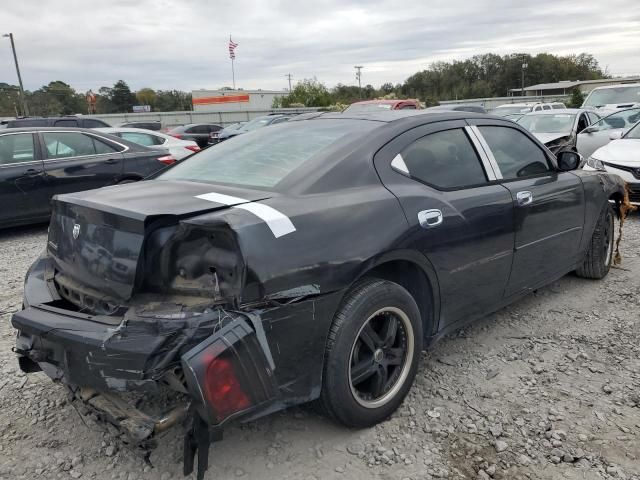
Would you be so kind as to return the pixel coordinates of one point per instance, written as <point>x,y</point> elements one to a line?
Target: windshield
<point>557,123</point>
<point>619,120</point>
<point>367,107</point>
<point>263,158</point>
<point>634,133</point>
<point>613,95</point>
<point>255,124</point>
<point>504,111</point>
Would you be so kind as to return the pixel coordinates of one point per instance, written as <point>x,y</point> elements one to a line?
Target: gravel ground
<point>547,388</point>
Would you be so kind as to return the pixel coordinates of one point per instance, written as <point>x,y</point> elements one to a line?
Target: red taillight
<point>193,148</point>
<point>176,135</point>
<point>223,389</point>
<point>167,159</point>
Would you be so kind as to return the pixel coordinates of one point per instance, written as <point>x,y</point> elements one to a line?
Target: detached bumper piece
<point>222,356</point>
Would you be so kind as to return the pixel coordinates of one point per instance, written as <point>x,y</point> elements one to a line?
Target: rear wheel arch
<point>413,272</point>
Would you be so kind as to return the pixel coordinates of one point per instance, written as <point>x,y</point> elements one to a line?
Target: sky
<point>183,44</point>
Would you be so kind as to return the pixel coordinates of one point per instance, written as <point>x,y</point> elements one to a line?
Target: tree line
<point>487,75</point>
<point>58,98</point>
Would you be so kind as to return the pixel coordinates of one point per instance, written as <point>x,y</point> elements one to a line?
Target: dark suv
<point>78,122</point>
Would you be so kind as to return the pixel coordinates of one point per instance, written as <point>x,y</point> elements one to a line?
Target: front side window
<point>634,133</point>
<point>92,123</point>
<point>68,144</point>
<point>265,157</point>
<point>16,148</point>
<point>445,160</point>
<point>515,153</point>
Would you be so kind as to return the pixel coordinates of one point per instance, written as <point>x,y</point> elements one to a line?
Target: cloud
<point>183,43</point>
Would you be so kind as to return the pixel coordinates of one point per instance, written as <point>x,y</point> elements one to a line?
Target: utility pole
<point>288,75</point>
<point>23,100</point>
<point>359,76</point>
<point>524,67</point>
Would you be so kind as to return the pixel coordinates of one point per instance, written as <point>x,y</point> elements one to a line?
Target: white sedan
<point>179,149</point>
<point>622,157</point>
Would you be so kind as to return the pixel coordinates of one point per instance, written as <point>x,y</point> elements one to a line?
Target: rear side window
<point>445,160</point>
<point>68,144</point>
<point>91,123</point>
<point>66,123</point>
<point>515,153</point>
<point>103,147</point>
<point>16,148</point>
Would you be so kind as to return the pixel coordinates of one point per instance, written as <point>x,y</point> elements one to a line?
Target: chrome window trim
<point>30,162</point>
<point>491,173</point>
<point>488,152</point>
<point>56,160</point>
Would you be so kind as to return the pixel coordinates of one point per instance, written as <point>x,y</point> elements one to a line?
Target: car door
<point>76,161</point>
<point>459,218</point>
<point>22,191</point>
<point>548,205</point>
<point>598,134</point>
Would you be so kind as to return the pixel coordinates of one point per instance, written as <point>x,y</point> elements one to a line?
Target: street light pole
<point>25,109</point>
<point>288,75</point>
<point>524,66</point>
<point>358,76</point>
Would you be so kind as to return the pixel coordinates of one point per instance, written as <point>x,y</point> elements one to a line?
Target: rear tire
<point>597,262</point>
<point>372,354</point>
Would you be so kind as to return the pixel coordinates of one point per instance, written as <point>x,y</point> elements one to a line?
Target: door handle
<point>430,218</point>
<point>111,161</point>
<point>31,172</point>
<point>524,198</point>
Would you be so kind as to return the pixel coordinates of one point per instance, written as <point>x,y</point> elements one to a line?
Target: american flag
<point>232,48</point>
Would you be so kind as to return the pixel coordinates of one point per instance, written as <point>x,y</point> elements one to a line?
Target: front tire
<point>597,262</point>
<point>372,353</point>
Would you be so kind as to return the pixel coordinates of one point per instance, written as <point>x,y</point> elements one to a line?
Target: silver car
<point>603,131</point>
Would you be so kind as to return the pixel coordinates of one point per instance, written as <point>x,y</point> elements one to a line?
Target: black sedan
<point>309,261</point>
<point>38,163</point>
<point>197,132</point>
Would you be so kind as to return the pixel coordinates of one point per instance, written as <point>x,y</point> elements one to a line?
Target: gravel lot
<point>547,388</point>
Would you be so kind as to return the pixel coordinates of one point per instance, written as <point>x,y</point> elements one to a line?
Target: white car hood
<point>550,137</point>
<point>623,152</point>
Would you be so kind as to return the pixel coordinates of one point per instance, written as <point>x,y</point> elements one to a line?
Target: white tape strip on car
<point>278,223</point>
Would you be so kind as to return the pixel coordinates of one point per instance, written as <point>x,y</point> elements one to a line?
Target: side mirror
<point>569,160</point>
<point>589,130</point>
<point>615,135</point>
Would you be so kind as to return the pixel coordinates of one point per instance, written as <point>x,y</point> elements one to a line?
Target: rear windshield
<point>264,157</point>
<point>511,110</point>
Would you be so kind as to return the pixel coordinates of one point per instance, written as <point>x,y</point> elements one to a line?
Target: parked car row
<point>37,163</point>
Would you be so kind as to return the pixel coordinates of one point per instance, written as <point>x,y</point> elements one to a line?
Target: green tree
<point>121,97</point>
<point>146,96</point>
<point>308,92</point>
<point>9,100</point>
<point>59,93</point>
<point>172,101</point>
<point>576,100</point>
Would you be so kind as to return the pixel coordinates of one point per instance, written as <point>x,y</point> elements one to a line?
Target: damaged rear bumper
<point>218,363</point>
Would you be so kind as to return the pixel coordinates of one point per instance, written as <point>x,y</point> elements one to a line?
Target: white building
<point>234,100</point>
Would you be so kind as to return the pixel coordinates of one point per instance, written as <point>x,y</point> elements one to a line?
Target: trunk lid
<point>96,237</point>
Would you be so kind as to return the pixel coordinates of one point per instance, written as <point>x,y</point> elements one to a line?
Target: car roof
<point>559,111</point>
<point>50,129</point>
<point>390,116</point>
<point>131,130</point>
<point>617,85</point>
